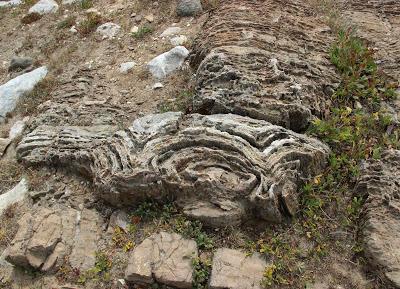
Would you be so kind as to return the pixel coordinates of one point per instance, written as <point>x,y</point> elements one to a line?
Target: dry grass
<point>8,228</point>
<point>41,93</point>
<point>10,174</point>
<point>90,24</point>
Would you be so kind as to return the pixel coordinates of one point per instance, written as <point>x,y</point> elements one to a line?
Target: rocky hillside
<point>199,144</point>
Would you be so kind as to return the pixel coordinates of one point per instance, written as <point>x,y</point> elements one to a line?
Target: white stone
<point>44,7</point>
<point>178,40</point>
<point>11,91</point>
<point>17,128</point>
<point>171,31</point>
<point>10,3</point>
<point>162,65</point>
<point>134,29</point>
<point>158,85</point>
<point>18,193</point>
<point>126,67</point>
<point>109,29</point>
<point>73,30</point>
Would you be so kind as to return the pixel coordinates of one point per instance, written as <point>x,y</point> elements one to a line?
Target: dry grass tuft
<point>10,174</point>
<point>41,93</point>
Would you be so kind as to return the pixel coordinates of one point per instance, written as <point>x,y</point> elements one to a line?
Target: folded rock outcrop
<point>220,168</point>
<point>264,59</point>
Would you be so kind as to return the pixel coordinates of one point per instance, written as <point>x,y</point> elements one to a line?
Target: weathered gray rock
<point>379,183</point>
<point>10,3</point>
<point>162,65</point>
<point>15,131</point>
<point>250,64</point>
<point>11,92</point>
<point>221,168</point>
<point>165,258</point>
<point>47,236</point>
<point>126,67</point>
<point>232,269</point>
<point>108,30</point>
<point>171,31</point>
<point>178,40</point>
<point>189,7</point>
<point>20,63</point>
<point>44,7</point>
<point>119,218</point>
<point>18,193</point>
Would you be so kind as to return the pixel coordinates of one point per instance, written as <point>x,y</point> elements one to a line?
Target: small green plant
<point>100,271</point>
<point>193,229</point>
<point>66,23</point>
<point>143,31</point>
<point>361,79</point>
<point>85,4</point>
<point>201,273</point>
<point>181,103</point>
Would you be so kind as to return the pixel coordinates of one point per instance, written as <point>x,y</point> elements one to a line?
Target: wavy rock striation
<point>380,184</point>
<point>220,168</point>
<point>264,59</point>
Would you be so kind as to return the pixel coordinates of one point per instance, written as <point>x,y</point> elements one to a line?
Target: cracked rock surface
<point>221,169</point>
<point>380,183</point>
<point>232,269</point>
<point>266,60</point>
<point>165,258</point>
<point>48,236</point>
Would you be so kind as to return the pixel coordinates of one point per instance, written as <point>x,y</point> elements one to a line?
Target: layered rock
<point>378,22</point>
<point>264,59</point>
<point>47,237</point>
<point>220,168</point>
<point>380,185</point>
<point>232,269</point>
<point>83,99</point>
<point>165,258</point>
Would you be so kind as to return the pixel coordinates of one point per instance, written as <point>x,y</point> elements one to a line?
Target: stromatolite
<point>219,168</point>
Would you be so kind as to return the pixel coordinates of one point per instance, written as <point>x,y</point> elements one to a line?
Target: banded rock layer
<point>264,59</point>
<point>380,184</point>
<point>220,168</point>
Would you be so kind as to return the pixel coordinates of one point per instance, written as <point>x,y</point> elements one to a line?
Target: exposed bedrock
<point>220,168</point>
<point>264,59</point>
<point>380,184</point>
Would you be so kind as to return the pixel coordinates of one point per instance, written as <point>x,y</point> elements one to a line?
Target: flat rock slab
<point>266,60</point>
<point>232,269</point>
<point>165,258</point>
<point>380,184</point>
<point>222,169</point>
<point>46,236</point>
<point>11,92</point>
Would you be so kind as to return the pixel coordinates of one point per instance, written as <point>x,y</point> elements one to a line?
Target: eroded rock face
<point>220,168</point>
<point>46,237</point>
<point>266,60</point>
<point>233,269</point>
<point>378,22</point>
<point>380,183</point>
<point>165,258</point>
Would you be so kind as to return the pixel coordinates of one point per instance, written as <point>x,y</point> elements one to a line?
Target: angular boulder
<point>379,184</point>
<point>44,7</point>
<point>165,258</point>
<point>47,236</point>
<point>16,194</point>
<point>11,92</point>
<point>257,60</point>
<point>189,7</point>
<point>221,169</point>
<point>232,269</point>
<point>164,64</point>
